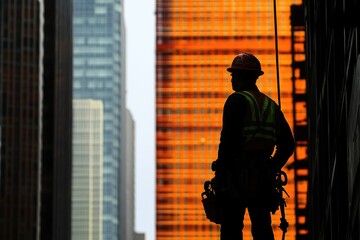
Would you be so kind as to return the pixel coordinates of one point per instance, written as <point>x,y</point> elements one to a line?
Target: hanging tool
<point>280,181</point>
<point>210,204</point>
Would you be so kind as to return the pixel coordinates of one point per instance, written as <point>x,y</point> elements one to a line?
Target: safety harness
<point>259,132</point>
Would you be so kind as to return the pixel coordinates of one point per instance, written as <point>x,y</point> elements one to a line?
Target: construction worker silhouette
<point>256,142</point>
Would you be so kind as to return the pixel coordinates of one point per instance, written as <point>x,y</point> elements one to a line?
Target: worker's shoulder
<point>272,100</point>
<point>235,100</point>
<point>245,95</point>
<point>236,96</point>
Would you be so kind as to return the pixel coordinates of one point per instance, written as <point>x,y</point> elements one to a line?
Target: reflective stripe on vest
<point>260,124</point>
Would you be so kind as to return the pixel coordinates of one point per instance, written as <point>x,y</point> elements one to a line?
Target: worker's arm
<point>230,140</point>
<point>284,143</point>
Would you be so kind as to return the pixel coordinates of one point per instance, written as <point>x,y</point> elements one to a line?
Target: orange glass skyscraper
<point>196,41</point>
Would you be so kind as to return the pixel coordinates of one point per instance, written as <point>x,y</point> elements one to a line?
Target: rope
<point>277,55</point>
<point>284,224</point>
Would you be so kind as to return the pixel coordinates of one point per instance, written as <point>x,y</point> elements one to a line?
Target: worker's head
<point>245,70</point>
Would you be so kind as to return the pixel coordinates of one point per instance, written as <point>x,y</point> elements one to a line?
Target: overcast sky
<point>140,66</point>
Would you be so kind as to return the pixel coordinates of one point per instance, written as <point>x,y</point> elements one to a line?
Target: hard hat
<point>246,61</point>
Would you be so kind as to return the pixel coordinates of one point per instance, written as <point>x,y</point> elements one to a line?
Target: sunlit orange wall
<point>195,42</point>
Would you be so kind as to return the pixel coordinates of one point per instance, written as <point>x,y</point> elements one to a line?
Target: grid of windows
<point>20,119</point>
<point>35,98</point>
<point>87,174</point>
<point>99,74</point>
<point>195,43</point>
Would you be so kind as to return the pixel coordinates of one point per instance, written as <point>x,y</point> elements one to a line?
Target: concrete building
<point>87,177</point>
<point>139,236</point>
<point>128,181</point>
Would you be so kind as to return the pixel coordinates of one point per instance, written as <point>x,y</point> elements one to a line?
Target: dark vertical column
<point>57,125</point>
<point>333,49</point>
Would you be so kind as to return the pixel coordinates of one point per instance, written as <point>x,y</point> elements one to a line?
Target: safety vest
<point>259,130</point>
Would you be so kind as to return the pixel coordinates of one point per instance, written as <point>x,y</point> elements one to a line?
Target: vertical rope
<point>277,55</point>
<point>284,224</point>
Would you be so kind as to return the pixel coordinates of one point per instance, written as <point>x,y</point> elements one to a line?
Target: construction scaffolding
<point>299,95</point>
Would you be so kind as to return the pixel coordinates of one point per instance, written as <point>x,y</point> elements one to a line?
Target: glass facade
<point>35,119</point>
<point>98,56</point>
<point>195,42</point>
<point>20,160</point>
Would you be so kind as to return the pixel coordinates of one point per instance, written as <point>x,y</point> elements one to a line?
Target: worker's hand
<point>214,165</point>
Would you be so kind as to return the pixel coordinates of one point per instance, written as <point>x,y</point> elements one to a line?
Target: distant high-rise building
<point>99,73</point>
<point>195,42</point>
<point>35,119</point>
<point>128,181</point>
<point>139,236</point>
<point>87,177</point>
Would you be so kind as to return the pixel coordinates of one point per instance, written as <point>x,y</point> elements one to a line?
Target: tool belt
<point>245,178</point>
<point>242,185</point>
<point>210,202</point>
<point>242,182</point>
